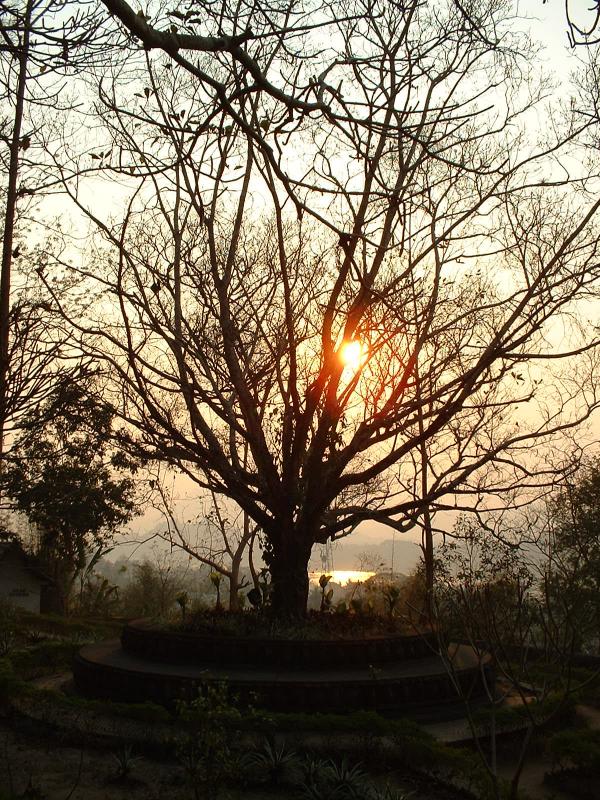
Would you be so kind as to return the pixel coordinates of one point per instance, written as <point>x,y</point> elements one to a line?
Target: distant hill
<point>346,554</point>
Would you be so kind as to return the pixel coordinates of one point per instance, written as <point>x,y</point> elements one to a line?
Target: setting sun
<point>352,354</point>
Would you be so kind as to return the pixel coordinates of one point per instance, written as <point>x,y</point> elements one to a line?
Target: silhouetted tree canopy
<point>62,475</point>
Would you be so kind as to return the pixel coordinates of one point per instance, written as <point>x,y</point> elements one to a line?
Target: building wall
<point>18,586</point>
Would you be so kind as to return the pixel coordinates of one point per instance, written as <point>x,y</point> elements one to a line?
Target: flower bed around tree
<point>313,647</point>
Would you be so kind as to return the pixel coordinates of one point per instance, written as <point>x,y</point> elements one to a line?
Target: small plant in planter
<point>326,594</point>
<point>357,605</point>
<point>259,596</point>
<point>183,601</point>
<point>358,621</point>
<point>391,595</point>
<point>216,579</point>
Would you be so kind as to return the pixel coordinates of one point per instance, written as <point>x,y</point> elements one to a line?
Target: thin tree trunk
<point>9,224</point>
<point>427,531</point>
<point>514,784</point>
<point>234,581</point>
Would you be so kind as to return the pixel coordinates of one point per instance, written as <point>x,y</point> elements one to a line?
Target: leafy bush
<point>576,748</point>
<point>356,722</point>
<point>553,709</point>
<point>389,793</point>
<point>142,712</point>
<point>45,657</point>
<point>420,751</point>
<point>212,722</point>
<point>332,780</point>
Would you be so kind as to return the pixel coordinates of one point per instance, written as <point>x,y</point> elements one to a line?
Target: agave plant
<point>315,791</point>
<point>389,793</point>
<point>346,781</point>
<point>314,770</point>
<point>277,763</point>
<point>124,761</point>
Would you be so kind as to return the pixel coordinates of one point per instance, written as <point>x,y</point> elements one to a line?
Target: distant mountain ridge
<point>398,556</point>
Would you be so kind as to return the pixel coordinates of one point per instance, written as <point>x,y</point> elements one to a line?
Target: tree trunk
<point>428,559</point>
<point>288,564</point>
<point>234,581</point>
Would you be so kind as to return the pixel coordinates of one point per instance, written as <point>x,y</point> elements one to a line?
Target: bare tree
<point>43,46</point>
<point>154,584</point>
<point>494,592</point>
<point>583,23</point>
<point>215,537</point>
<point>342,255</point>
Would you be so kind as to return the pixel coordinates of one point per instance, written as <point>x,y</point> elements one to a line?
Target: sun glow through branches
<point>352,355</point>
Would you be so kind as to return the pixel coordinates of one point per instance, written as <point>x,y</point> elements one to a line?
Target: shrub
<point>67,627</point>
<point>555,709</point>
<point>212,721</point>
<point>576,748</point>
<point>44,657</point>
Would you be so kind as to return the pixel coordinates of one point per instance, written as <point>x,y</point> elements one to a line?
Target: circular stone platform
<point>405,676</point>
<point>155,643</point>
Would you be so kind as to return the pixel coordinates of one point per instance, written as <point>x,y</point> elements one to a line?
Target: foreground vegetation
<point>208,744</point>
